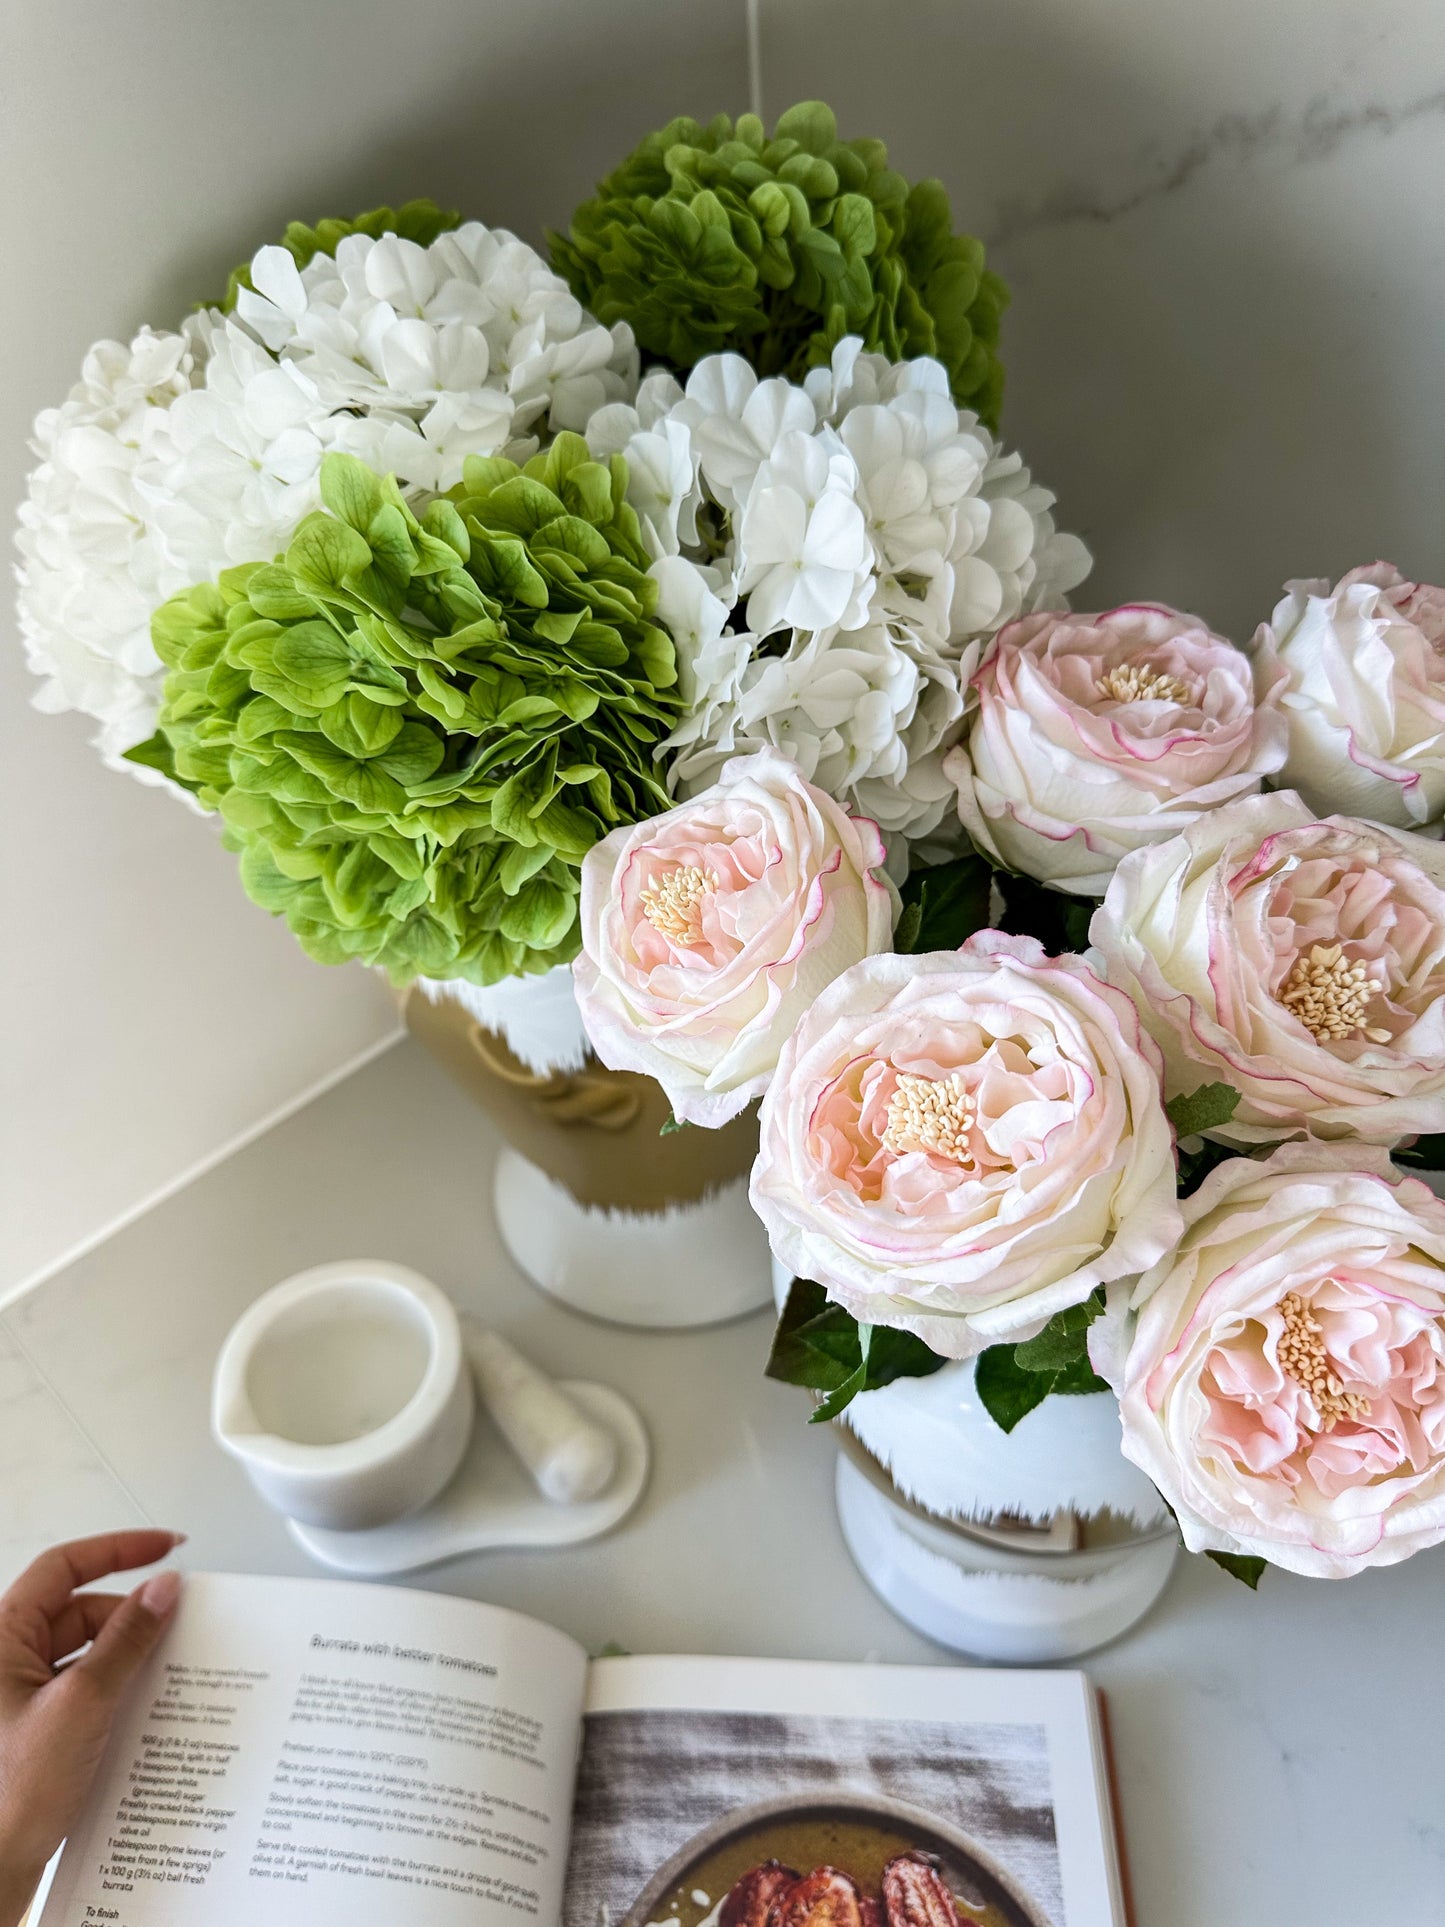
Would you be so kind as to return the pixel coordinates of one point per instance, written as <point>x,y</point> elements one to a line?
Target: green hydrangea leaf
<point>325,552</point>
<point>353,492</point>
<point>156,753</point>
<point>311,658</point>
<point>360,726</point>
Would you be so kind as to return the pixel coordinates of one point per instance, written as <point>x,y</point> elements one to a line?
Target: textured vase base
<point>676,1270</point>
<point>1014,1618</point>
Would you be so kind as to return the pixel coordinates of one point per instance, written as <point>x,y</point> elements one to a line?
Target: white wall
<point>150,1013</point>
<point>1226,241</point>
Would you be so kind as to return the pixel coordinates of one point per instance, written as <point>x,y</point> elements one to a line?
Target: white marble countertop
<point>1281,1758</point>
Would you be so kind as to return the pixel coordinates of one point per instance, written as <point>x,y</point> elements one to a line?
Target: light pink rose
<point>1301,962</point>
<point>1089,736</point>
<point>965,1142</point>
<point>707,932</point>
<point>1365,702</point>
<point>1284,1386</point>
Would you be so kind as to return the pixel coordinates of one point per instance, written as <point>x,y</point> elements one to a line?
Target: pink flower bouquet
<point>1122,1095</point>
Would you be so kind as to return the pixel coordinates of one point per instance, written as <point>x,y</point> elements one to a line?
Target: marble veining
<point>55,1481</point>
<point>1297,138</point>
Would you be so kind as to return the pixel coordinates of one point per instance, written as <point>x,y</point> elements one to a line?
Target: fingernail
<point>159,1595</point>
<point>179,1539</point>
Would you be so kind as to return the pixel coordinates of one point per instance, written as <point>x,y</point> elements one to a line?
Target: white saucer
<point>492,1502</point>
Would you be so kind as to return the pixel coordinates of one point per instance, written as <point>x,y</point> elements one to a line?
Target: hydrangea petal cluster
<point>1302,962</point>
<point>708,932</point>
<point>1285,1384</point>
<point>91,573</point>
<point>415,731</point>
<point>1364,662</point>
<point>719,237</point>
<point>190,453</point>
<point>831,556</point>
<point>964,1143</point>
<point>420,221</point>
<point>1089,736</point>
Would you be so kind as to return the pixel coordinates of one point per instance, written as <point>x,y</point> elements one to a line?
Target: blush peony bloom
<point>1284,1386</point>
<point>1365,703</point>
<point>1300,961</point>
<point>1090,736</point>
<point>708,932</point>
<point>964,1143</point>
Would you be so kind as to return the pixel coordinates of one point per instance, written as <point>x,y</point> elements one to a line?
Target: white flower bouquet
<point>674,607</point>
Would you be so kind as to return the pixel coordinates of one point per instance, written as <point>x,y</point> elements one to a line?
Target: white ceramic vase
<point>1018,1547</point>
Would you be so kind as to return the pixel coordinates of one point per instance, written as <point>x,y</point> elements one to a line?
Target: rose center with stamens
<point>930,1114</point>
<point>1302,1354</point>
<point>1331,995</point>
<point>674,903</point>
<point>1132,682</point>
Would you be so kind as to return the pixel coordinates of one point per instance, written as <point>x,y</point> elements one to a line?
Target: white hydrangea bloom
<point>91,570</point>
<point>186,453</point>
<point>856,542</point>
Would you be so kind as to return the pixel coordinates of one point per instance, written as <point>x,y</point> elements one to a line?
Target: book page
<point>914,1792</point>
<point>321,1754</point>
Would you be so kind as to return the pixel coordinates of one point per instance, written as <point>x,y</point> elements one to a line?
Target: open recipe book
<point>337,1755</point>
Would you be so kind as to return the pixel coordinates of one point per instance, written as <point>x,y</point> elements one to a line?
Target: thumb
<point>130,1635</point>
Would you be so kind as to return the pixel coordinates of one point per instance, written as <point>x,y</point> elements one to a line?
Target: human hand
<point>55,1720</point>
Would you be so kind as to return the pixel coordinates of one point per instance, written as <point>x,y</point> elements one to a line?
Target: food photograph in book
<point>727,1819</point>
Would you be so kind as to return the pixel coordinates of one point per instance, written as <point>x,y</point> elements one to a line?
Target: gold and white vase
<point>593,1202</point>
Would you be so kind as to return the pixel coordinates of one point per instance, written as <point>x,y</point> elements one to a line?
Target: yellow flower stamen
<point>1330,995</point>
<point>674,901</point>
<point>1132,682</point>
<point>930,1114</point>
<point>1301,1353</point>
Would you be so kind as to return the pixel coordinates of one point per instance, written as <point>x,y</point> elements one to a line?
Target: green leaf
<point>951,901</point>
<point>351,490</point>
<point>1245,1567</point>
<point>156,753</point>
<point>1427,1153</point>
<point>359,726</point>
<point>671,1124</point>
<point>1060,922</point>
<point>802,1353</point>
<point>1078,1378</point>
<point>910,922</point>
<point>1006,1391</point>
<point>836,1401</point>
<point>819,1345</point>
<point>1203,1109</point>
<point>413,755</point>
<point>326,552</point>
<point>1064,1339</point>
<point>315,660</point>
<point>1013,1379</point>
<point>1195,1166</point>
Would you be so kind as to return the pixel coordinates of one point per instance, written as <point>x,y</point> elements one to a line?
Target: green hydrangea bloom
<point>716,237</point>
<point>415,730</point>
<point>419,221</point>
